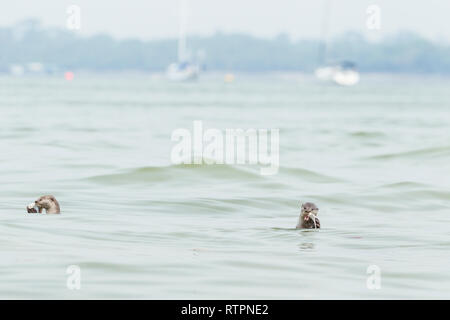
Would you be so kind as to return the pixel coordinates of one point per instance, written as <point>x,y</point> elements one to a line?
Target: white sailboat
<point>344,73</point>
<point>184,69</point>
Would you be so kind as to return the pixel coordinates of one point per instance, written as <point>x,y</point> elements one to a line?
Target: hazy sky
<point>150,19</point>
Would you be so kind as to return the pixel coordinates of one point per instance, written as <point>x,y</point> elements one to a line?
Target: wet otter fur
<point>48,202</point>
<point>308,217</point>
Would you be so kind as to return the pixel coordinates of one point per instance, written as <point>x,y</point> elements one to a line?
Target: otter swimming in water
<point>48,203</point>
<point>308,217</point>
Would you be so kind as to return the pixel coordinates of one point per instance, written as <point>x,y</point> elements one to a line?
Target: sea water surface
<point>375,158</point>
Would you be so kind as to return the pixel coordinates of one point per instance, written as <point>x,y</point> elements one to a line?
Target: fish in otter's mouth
<point>32,208</point>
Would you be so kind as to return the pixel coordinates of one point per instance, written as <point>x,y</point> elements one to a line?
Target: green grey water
<point>375,158</point>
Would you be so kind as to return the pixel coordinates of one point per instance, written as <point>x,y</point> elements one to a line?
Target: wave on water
<point>367,134</point>
<point>180,172</point>
<point>308,175</point>
<point>423,153</point>
<point>403,185</point>
<point>222,172</point>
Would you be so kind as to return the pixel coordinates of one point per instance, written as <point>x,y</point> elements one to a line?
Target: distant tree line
<point>59,49</point>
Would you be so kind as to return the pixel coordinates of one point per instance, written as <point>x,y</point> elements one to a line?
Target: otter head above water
<point>48,203</point>
<point>308,217</point>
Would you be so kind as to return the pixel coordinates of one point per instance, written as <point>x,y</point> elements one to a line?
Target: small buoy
<point>229,77</point>
<point>69,75</point>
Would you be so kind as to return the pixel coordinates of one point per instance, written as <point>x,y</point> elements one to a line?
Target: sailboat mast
<point>182,54</point>
<point>324,32</point>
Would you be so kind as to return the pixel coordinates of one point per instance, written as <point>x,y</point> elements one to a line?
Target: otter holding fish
<point>48,203</point>
<point>308,217</point>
